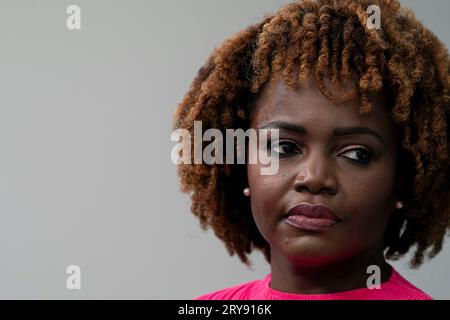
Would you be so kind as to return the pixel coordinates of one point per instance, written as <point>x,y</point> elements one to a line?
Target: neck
<point>304,277</point>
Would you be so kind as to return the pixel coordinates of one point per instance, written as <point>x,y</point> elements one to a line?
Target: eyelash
<point>368,152</point>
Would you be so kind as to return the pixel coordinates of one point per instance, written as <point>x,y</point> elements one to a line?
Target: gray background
<point>86,175</point>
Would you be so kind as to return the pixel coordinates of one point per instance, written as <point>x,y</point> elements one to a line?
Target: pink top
<point>396,288</point>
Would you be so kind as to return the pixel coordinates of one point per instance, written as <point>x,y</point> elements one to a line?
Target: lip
<point>311,217</point>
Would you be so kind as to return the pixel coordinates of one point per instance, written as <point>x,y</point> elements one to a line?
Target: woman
<point>362,115</point>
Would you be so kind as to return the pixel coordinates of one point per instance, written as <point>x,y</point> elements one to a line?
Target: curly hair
<point>329,38</point>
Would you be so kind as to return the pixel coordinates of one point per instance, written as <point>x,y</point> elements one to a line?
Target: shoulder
<point>238,292</point>
<point>405,290</point>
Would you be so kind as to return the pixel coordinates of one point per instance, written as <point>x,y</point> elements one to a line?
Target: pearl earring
<point>247,192</point>
<point>398,205</point>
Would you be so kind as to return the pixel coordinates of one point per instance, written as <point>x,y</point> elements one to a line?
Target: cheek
<point>369,204</point>
<point>266,193</point>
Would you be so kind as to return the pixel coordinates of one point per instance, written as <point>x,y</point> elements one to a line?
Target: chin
<point>311,251</point>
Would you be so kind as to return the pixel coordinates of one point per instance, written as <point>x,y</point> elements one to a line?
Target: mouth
<point>311,217</point>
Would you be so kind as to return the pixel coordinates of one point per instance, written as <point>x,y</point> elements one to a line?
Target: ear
<point>400,184</point>
<point>404,179</point>
<point>404,164</point>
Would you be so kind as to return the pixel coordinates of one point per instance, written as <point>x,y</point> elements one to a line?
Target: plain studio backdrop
<point>85,167</point>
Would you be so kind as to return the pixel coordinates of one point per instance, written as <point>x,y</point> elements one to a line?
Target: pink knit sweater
<point>396,288</point>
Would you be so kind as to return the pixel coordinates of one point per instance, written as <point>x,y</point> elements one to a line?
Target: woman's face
<point>352,174</point>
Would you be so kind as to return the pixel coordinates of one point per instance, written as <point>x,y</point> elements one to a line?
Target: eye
<point>360,155</point>
<point>284,148</point>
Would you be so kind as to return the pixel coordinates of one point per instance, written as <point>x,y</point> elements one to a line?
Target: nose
<point>315,174</point>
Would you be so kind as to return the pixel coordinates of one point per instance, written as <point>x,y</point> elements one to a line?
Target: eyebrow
<point>337,132</point>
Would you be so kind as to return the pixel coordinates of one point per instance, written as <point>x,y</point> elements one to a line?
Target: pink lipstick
<point>311,218</point>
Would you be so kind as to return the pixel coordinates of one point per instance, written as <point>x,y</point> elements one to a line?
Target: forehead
<point>307,106</point>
